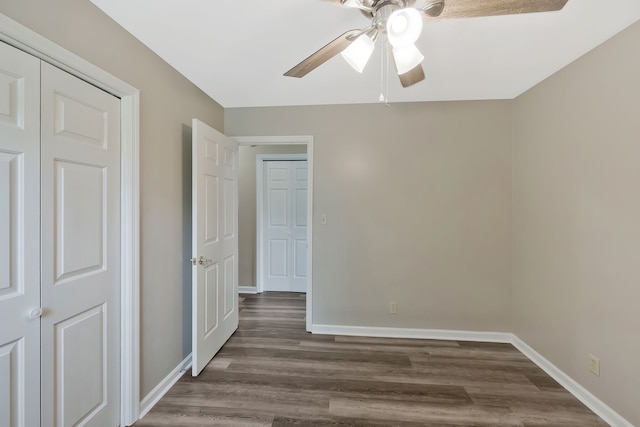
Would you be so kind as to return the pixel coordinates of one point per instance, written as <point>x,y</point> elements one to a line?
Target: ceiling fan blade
<point>322,55</point>
<point>412,77</point>
<point>478,8</point>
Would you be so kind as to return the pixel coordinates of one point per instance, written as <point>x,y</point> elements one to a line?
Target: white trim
<point>29,41</point>
<point>295,140</point>
<point>260,159</point>
<point>274,140</point>
<point>430,334</point>
<point>164,386</point>
<point>247,290</point>
<point>309,308</point>
<point>600,408</point>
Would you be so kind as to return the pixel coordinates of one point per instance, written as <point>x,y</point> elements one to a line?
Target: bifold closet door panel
<point>299,246</point>
<point>80,252</point>
<point>19,238</point>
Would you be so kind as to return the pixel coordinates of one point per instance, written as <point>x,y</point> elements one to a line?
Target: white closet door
<point>80,253</point>
<point>285,226</point>
<point>277,226</point>
<point>19,238</point>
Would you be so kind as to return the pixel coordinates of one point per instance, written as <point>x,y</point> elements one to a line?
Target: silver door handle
<point>35,313</point>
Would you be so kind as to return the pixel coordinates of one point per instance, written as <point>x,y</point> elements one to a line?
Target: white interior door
<point>19,238</point>
<point>215,242</point>
<point>285,226</point>
<point>80,252</point>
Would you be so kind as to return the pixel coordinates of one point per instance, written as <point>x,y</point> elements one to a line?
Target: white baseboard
<point>247,290</point>
<point>610,416</point>
<point>582,394</point>
<point>430,334</point>
<point>161,389</point>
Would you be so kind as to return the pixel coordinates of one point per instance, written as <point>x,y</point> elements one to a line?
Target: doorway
<point>248,240</point>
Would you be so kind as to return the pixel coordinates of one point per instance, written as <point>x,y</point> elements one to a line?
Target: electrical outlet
<point>594,365</point>
<point>393,307</point>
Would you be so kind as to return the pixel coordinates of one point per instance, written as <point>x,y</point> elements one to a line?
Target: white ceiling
<point>237,50</point>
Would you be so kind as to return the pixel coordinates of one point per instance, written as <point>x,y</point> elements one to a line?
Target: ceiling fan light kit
<point>407,58</point>
<point>404,27</point>
<point>402,21</point>
<point>359,52</point>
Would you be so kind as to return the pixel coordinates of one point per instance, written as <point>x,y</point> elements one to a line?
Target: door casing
<point>289,140</point>
<point>17,35</point>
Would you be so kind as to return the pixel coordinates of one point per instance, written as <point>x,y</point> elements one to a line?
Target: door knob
<point>204,261</point>
<point>201,260</point>
<point>35,313</point>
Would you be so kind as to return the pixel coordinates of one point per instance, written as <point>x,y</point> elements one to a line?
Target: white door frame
<point>290,140</point>
<point>260,159</point>
<point>31,42</point>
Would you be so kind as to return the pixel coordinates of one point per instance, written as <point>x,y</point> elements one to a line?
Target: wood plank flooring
<point>273,373</point>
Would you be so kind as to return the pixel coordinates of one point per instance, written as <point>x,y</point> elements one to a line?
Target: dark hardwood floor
<point>273,373</point>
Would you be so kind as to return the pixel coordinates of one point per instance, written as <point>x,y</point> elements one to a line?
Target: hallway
<point>273,373</point>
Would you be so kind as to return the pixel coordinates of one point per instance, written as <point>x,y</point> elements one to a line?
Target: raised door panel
<point>80,252</point>
<point>278,208</point>
<point>229,285</point>
<point>11,183</point>
<point>19,238</point>
<point>211,209</point>
<point>80,121</point>
<point>18,84</point>
<point>81,381</point>
<point>80,225</point>
<point>300,259</point>
<point>278,256</point>
<point>13,400</point>
<point>229,203</point>
<point>211,292</point>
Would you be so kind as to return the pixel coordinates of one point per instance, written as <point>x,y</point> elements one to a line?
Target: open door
<point>215,242</point>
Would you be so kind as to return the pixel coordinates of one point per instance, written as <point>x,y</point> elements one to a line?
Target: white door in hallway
<point>285,225</point>
<point>19,238</point>
<point>80,252</point>
<point>215,242</point>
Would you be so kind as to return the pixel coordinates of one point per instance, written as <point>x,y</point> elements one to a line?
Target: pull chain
<point>381,98</point>
<point>386,102</point>
<point>384,91</point>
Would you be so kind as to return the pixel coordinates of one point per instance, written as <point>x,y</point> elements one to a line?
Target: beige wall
<point>419,204</point>
<point>247,206</point>
<point>576,220</point>
<point>168,103</point>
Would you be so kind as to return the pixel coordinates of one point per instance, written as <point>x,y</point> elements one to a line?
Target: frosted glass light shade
<point>407,58</point>
<point>358,53</point>
<point>404,26</point>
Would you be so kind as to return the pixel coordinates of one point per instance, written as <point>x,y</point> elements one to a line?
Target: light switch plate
<point>594,365</point>
<point>323,219</point>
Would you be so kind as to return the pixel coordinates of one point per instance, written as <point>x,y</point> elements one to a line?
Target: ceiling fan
<point>401,22</point>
